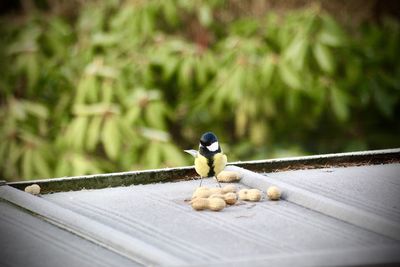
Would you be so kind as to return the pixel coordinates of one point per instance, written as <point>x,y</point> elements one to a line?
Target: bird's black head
<point>209,144</point>
<point>208,138</point>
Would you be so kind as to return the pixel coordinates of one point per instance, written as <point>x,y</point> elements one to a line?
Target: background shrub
<point>123,85</point>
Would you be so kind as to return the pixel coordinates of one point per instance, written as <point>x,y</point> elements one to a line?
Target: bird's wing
<point>191,152</point>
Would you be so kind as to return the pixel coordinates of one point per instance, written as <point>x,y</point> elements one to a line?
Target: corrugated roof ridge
<point>379,255</point>
<point>55,241</point>
<point>89,229</point>
<point>183,246</point>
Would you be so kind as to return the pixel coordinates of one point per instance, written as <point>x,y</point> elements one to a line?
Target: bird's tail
<point>191,152</point>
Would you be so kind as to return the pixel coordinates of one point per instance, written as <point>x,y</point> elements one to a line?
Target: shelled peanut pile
<point>216,199</point>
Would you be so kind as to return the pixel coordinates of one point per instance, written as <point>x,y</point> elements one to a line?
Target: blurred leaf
<point>93,133</point>
<point>331,33</point>
<point>80,165</point>
<point>3,150</point>
<point>205,15</point>
<point>267,71</point>
<point>289,76</point>
<point>170,67</point>
<point>87,89</point>
<point>76,132</point>
<point>293,102</point>
<point>186,74</point>
<point>41,165</point>
<point>201,72</point>
<point>10,166</point>
<point>95,109</point>
<point>128,133</point>
<point>172,156</point>
<point>107,91</point>
<point>170,12</point>
<point>155,135</point>
<point>383,100</point>
<point>156,115</point>
<point>104,39</point>
<point>258,132</point>
<point>245,27</point>
<point>17,109</point>
<point>339,103</point>
<point>63,168</point>
<point>240,122</point>
<point>296,52</point>
<point>32,70</point>
<point>26,40</point>
<point>153,154</point>
<point>132,115</point>
<point>36,109</point>
<point>110,137</point>
<point>27,164</point>
<point>324,58</point>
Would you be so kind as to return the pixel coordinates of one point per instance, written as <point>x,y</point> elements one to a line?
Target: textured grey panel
<point>374,188</point>
<point>375,256</point>
<point>29,241</point>
<point>103,235</point>
<point>324,204</point>
<point>332,216</point>
<point>159,215</point>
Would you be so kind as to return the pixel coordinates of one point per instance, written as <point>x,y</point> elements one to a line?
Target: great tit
<point>209,160</point>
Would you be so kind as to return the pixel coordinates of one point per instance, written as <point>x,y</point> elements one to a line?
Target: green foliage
<point>128,85</point>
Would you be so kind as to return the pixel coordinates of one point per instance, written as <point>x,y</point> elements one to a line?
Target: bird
<point>209,159</point>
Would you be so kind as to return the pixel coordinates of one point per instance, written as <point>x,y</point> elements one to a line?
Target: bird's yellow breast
<point>201,165</point>
<point>219,163</point>
<point>210,167</point>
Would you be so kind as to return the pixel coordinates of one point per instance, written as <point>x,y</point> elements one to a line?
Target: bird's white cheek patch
<point>213,147</point>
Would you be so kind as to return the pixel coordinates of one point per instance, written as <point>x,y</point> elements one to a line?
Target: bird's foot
<point>218,182</point>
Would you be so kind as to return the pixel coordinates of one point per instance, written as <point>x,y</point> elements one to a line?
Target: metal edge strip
<point>186,173</point>
<point>322,161</point>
